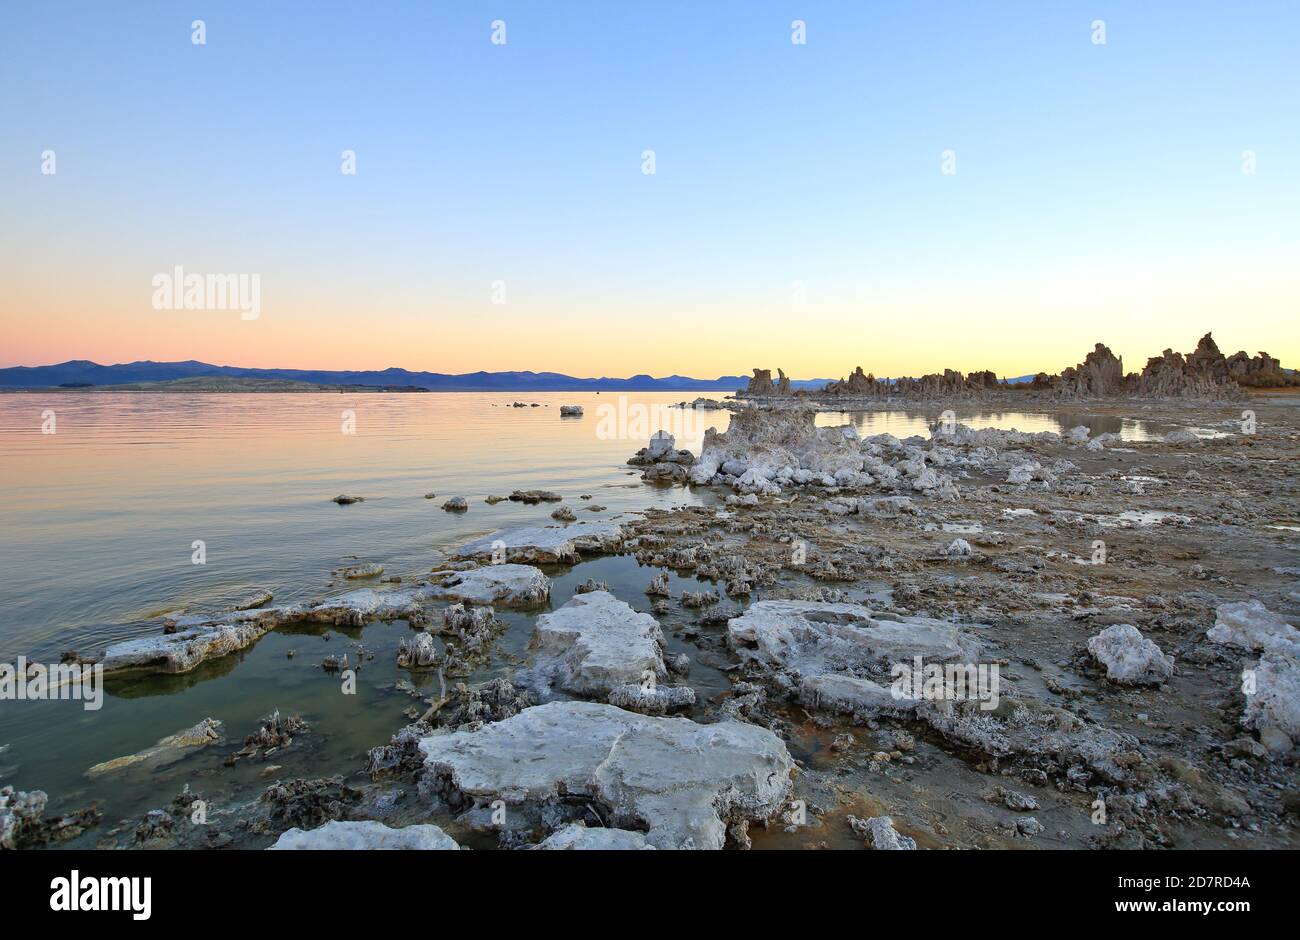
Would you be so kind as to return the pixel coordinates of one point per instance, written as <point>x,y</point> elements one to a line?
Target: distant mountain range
<point>83,373</point>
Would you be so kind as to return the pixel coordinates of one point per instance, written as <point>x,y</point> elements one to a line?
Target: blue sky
<point>1098,193</point>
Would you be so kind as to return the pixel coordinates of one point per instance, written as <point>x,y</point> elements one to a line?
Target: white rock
<point>1129,657</point>
<point>504,585</point>
<point>417,651</point>
<point>546,543</point>
<point>682,782</point>
<point>592,645</point>
<point>880,830</point>
<point>577,837</point>
<point>1252,626</point>
<point>826,648</point>
<point>960,548</point>
<point>365,834</point>
<point>662,445</point>
<point>1181,437</point>
<point>196,640</point>
<point>1273,709</point>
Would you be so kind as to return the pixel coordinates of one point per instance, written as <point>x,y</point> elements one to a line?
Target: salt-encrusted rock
<point>1273,709</point>
<point>357,608</point>
<point>839,657</point>
<point>1182,437</point>
<point>456,504</point>
<point>201,637</point>
<point>546,543</point>
<point>577,837</point>
<point>592,645</point>
<point>504,585</point>
<point>364,570</point>
<point>417,651</point>
<point>662,450</point>
<point>1039,734</point>
<point>960,548</point>
<point>168,750</point>
<point>259,598</point>
<point>680,781</point>
<point>23,824</point>
<point>1252,626</point>
<point>197,639</point>
<point>880,832</point>
<point>806,632</point>
<point>365,834</point>
<point>886,506</point>
<point>1129,657</point>
<point>772,445</point>
<point>656,700</point>
<point>851,695</point>
<point>564,514</point>
<point>570,411</point>
<point>658,585</point>
<point>19,809</point>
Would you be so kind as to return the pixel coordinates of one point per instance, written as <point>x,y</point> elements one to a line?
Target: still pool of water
<point>100,520</point>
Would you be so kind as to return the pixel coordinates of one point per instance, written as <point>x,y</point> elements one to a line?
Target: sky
<point>922,184</point>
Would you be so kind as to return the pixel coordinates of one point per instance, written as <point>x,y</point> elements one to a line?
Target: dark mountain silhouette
<point>82,372</point>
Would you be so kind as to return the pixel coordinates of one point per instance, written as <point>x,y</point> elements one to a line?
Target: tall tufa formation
<point>1203,373</point>
<point>1100,375</point>
<point>761,384</point>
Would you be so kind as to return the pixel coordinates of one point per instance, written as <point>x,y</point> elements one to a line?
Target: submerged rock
<point>365,835</point>
<point>168,750</point>
<point>1129,657</point>
<point>681,782</point>
<point>366,570</point>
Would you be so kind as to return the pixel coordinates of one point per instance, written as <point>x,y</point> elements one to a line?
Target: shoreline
<point>887,527</point>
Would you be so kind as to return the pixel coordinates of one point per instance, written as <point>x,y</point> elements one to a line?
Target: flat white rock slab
<point>505,585</point>
<point>546,543</point>
<point>365,835</point>
<point>681,781</point>
<point>592,645</point>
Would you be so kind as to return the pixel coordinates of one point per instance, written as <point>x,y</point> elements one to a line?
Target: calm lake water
<point>100,518</point>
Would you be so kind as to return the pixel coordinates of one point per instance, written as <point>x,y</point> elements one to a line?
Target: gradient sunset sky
<point>1099,192</point>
